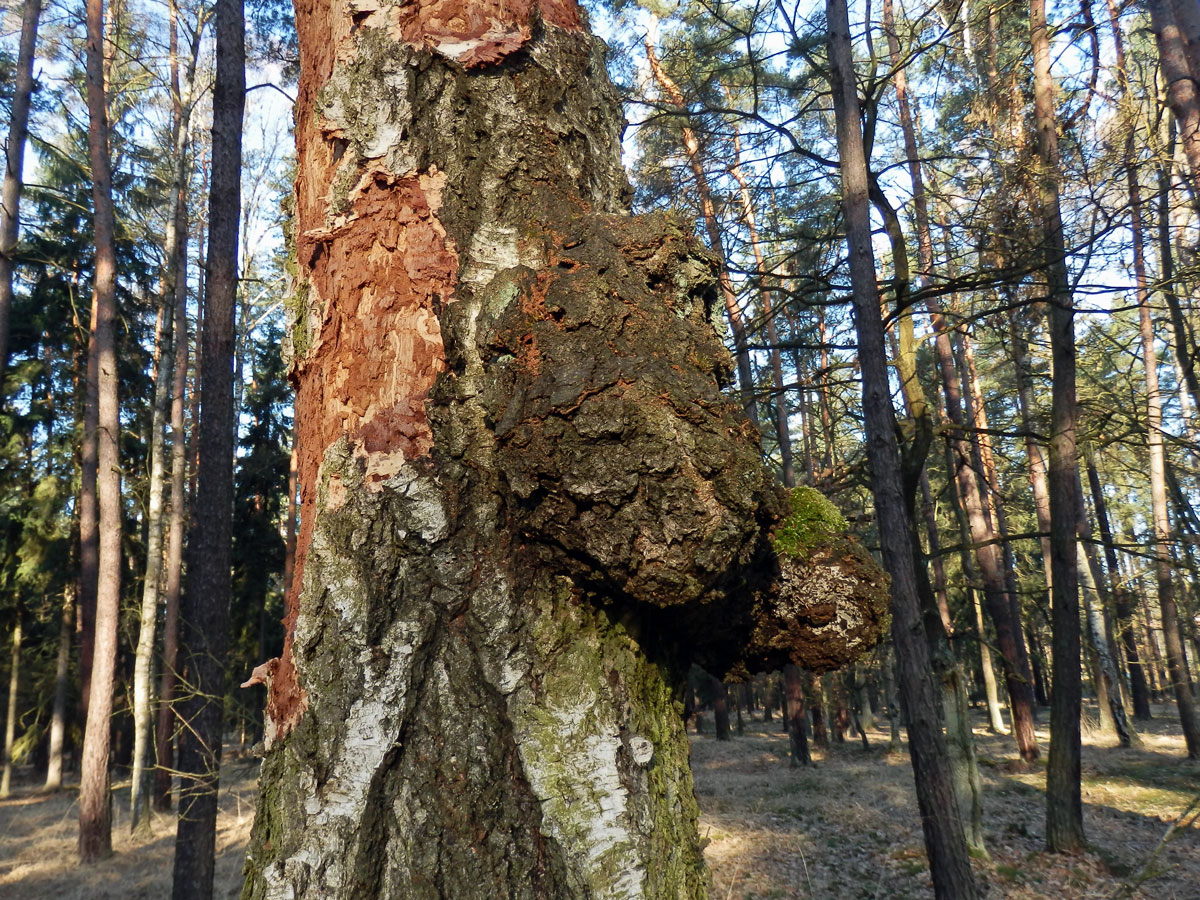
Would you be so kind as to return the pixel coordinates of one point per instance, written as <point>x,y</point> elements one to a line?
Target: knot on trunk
<point>627,467</point>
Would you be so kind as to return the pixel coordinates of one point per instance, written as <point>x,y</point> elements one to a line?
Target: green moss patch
<point>813,522</point>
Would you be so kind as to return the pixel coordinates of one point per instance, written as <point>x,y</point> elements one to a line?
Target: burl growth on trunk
<point>629,468</point>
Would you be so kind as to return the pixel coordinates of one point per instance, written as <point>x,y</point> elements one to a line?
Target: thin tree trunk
<point>945,842</point>
<point>708,212</point>
<point>797,732</point>
<point>816,705</point>
<point>165,725</point>
<point>985,460</point>
<point>1064,806</point>
<point>935,555</point>
<point>10,717</point>
<point>986,670</point>
<point>987,554</point>
<point>893,702</point>
<point>95,823</point>
<point>10,199</point>
<point>173,241</point>
<point>1122,599</point>
<point>720,708</point>
<point>1091,581</point>
<point>1033,450</point>
<point>204,609</point>
<point>89,518</point>
<point>783,429</point>
<point>1158,668</point>
<point>62,681</point>
<point>148,622</point>
<point>1163,568</point>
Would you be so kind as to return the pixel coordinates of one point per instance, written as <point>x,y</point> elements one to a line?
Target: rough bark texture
<point>522,491</point>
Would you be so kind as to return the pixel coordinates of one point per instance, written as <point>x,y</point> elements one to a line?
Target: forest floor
<point>845,829</point>
<point>38,834</point>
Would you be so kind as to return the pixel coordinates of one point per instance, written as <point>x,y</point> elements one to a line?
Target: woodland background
<point>732,126</point>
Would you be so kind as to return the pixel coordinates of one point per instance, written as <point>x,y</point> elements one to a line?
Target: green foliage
<point>812,522</point>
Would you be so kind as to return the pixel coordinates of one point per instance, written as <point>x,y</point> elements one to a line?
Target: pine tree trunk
<point>89,519</point>
<point>795,717</point>
<point>10,199</point>
<point>95,823</point>
<point>174,243</point>
<point>720,709</point>
<point>944,839</point>
<point>204,605</point>
<point>1064,808</point>
<point>1183,95</point>
<point>1163,568</point>
<point>783,430</point>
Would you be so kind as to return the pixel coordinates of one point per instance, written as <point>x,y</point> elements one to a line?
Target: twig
<point>807,877</point>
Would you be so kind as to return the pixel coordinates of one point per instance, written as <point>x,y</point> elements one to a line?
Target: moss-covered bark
<point>525,498</point>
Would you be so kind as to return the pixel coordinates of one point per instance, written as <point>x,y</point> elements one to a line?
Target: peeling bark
<point>522,490</point>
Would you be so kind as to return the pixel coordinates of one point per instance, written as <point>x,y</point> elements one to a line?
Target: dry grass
<point>848,828</point>
<point>38,834</point>
<point>843,830</point>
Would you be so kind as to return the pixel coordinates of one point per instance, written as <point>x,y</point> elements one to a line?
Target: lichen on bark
<point>525,499</point>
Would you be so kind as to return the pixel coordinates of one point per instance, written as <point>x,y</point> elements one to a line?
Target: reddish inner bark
<point>479,32</point>
<point>378,281</point>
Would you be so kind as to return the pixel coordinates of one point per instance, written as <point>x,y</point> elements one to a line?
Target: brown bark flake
<point>378,278</point>
<point>381,275</point>
<point>480,32</point>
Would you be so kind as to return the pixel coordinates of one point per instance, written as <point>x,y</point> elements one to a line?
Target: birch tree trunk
<point>62,679</point>
<point>522,492</point>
